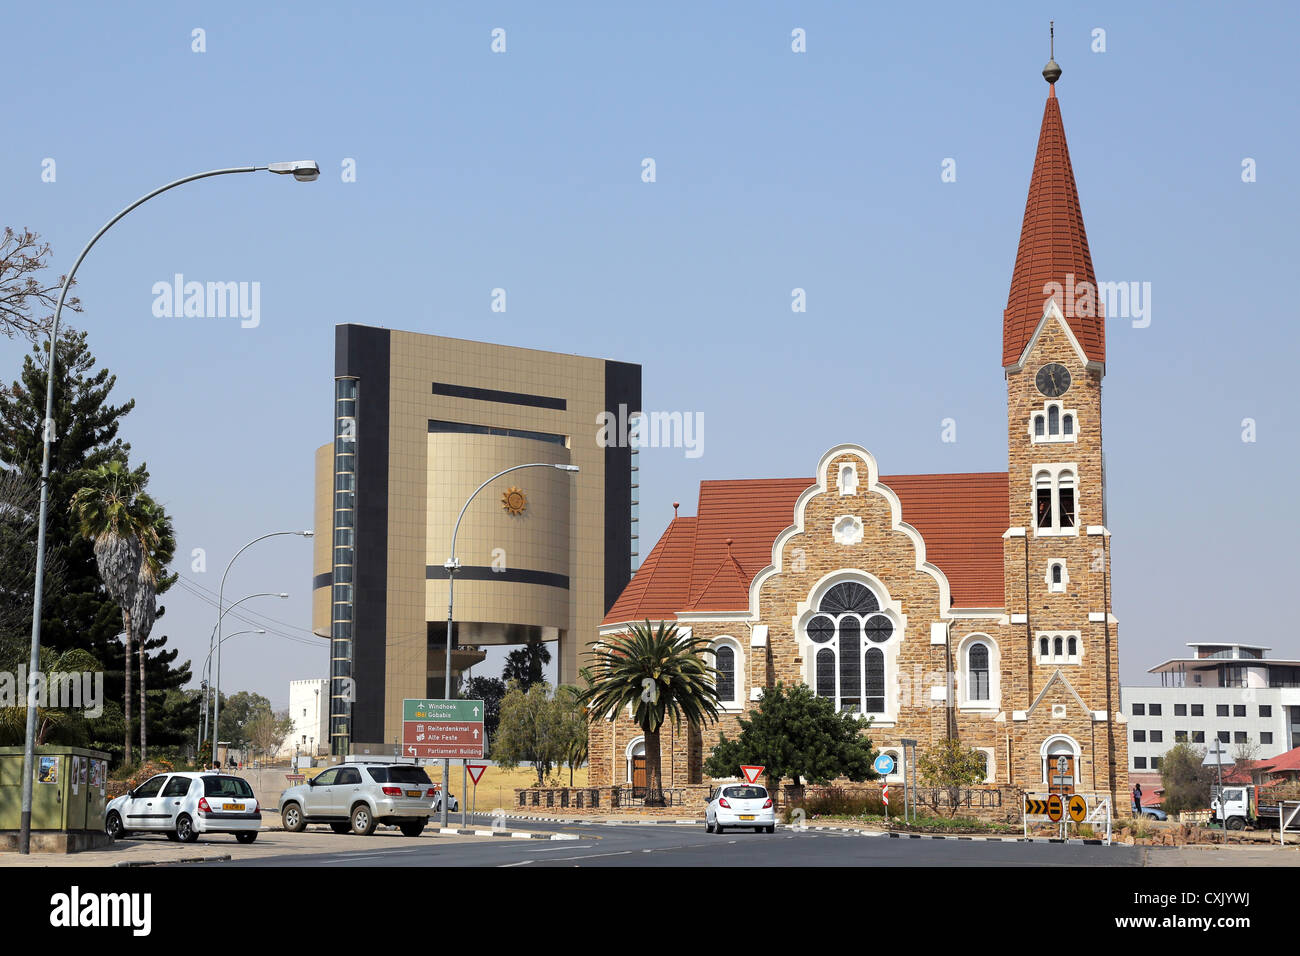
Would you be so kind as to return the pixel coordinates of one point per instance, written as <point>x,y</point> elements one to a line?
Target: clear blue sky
<point>775,170</point>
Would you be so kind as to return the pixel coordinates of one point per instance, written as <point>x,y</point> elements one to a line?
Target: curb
<point>189,859</point>
<point>589,821</point>
<point>509,834</point>
<point>993,839</point>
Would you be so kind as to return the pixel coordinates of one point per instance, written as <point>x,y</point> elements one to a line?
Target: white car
<point>739,805</point>
<point>183,805</point>
<point>357,797</point>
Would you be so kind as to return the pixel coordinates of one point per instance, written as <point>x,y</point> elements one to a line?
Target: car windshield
<point>408,774</point>
<point>215,786</point>
<point>745,793</point>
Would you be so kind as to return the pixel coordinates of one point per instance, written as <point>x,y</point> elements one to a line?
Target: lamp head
<point>303,170</point>
<point>567,467</point>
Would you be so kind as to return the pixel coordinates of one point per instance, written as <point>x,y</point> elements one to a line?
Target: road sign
<point>1055,808</point>
<point>1062,765</point>
<point>442,728</point>
<point>1035,807</point>
<point>459,711</point>
<point>884,765</point>
<point>476,771</point>
<point>884,794</point>
<point>1216,754</point>
<point>1078,808</point>
<point>752,773</point>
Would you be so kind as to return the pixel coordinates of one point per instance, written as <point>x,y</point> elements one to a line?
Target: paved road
<point>671,845</point>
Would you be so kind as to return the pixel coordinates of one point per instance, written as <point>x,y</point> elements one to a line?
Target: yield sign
<point>475,771</point>
<point>752,773</point>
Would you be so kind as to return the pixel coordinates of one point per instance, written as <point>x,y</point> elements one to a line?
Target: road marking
<point>520,863</point>
<point>556,849</point>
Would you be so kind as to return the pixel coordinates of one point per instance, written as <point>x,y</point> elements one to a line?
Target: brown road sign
<point>1078,808</point>
<point>1055,808</point>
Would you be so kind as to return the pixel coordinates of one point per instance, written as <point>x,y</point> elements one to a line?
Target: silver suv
<point>359,797</point>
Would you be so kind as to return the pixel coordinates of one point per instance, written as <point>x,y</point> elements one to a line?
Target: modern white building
<point>309,710</point>
<point>1228,692</point>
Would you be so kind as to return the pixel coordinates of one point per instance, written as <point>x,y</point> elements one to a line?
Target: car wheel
<point>246,837</point>
<point>413,829</point>
<point>113,826</point>
<point>363,821</point>
<point>770,829</point>
<point>292,818</point>
<point>185,831</point>
<point>171,835</point>
<point>708,827</point>
<point>719,828</point>
<point>341,827</point>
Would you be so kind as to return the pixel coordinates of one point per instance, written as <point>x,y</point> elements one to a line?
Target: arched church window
<point>725,656</point>
<point>978,672</point>
<point>848,667</point>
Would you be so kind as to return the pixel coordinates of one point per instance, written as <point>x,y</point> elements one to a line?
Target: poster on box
<point>48,770</point>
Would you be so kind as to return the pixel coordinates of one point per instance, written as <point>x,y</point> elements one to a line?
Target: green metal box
<point>69,786</point>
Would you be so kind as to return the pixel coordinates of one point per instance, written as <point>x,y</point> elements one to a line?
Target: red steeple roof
<point>1053,243</point>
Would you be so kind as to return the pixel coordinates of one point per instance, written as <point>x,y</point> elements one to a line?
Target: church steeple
<point>1053,247</point>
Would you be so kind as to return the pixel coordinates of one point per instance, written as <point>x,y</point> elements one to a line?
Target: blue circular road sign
<point>884,765</point>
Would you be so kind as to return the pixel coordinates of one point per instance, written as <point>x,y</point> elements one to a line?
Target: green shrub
<point>840,801</point>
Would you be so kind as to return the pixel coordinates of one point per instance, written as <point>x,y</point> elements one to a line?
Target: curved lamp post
<point>452,564</point>
<point>216,697</point>
<point>302,170</point>
<point>208,663</point>
<point>203,726</point>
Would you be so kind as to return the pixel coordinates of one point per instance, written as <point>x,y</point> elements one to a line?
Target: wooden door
<point>1060,773</point>
<point>638,775</point>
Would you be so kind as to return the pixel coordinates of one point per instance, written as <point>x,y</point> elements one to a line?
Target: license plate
<point>746,816</point>
<point>232,806</point>
<point>413,793</point>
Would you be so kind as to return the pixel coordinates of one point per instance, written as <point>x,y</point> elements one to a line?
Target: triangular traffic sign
<point>752,773</point>
<point>475,771</point>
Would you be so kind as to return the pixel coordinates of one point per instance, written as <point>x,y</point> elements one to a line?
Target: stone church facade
<point>967,605</point>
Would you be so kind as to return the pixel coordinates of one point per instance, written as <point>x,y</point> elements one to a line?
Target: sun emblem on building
<point>514,501</point>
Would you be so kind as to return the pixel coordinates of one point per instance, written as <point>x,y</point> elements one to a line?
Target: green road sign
<point>458,711</point>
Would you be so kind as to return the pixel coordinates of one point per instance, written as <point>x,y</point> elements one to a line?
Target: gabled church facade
<point>966,605</point>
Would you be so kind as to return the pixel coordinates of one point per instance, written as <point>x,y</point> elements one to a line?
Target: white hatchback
<point>183,805</point>
<point>739,805</point>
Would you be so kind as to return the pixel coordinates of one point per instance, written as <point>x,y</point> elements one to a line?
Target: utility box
<point>69,792</point>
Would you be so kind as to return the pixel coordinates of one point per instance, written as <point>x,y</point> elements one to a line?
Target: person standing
<point>1137,799</point>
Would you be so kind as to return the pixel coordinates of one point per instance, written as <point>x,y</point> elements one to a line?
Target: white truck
<point>1237,806</point>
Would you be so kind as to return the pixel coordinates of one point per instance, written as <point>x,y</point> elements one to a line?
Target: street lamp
<point>204,681</point>
<point>302,170</point>
<point>212,643</point>
<point>452,565</point>
<point>216,697</point>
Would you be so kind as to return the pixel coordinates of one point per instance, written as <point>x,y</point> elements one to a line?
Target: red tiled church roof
<point>1053,243</point>
<point>961,518</point>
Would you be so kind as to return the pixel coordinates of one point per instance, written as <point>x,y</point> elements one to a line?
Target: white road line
<point>556,849</point>
<point>520,863</point>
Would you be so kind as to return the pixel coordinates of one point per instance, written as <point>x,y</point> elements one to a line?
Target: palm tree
<point>661,673</point>
<point>156,528</point>
<point>106,511</point>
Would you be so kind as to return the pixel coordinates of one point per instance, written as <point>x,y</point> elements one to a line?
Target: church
<point>974,606</point>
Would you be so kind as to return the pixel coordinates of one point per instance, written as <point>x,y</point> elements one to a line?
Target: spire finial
<point>1052,72</point>
<point>676,505</point>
